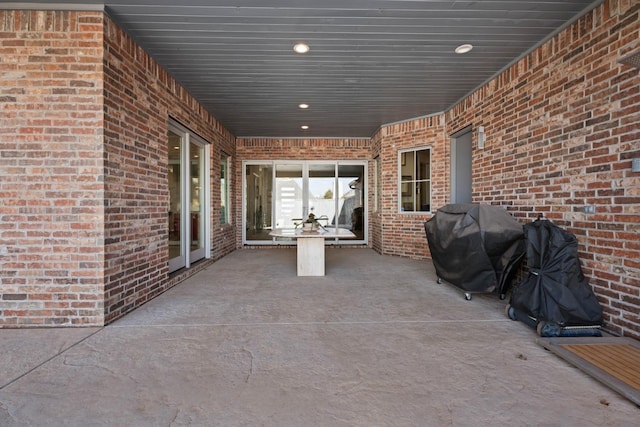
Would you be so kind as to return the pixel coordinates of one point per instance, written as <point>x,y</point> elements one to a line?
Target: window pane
<point>406,166</point>
<point>289,203</point>
<point>322,192</point>
<point>196,206</point>
<point>407,196</point>
<point>378,190</point>
<point>423,164</point>
<point>423,195</point>
<point>224,196</point>
<point>351,201</point>
<point>415,181</point>
<point>259,179</point>
<point>175,196</point>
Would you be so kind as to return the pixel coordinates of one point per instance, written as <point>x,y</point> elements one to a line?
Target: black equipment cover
<point>475,247</point>
<point>555,289</point>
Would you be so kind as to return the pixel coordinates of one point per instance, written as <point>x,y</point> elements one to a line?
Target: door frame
<point>187,257</point>
<point>453,162</point>
<point>305,176</point>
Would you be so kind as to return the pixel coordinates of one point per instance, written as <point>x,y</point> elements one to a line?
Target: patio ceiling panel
<point>371,62</point>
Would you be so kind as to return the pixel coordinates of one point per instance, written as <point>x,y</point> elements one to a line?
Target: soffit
<point>372,62</point>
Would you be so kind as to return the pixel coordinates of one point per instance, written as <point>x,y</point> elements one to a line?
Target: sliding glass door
<point>289,195</point>
<point>188,198</point>
<point>321,195</point>
<point>280,194</point>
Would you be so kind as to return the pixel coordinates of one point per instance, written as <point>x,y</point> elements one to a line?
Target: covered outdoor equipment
<point>475,247</point>
<point>554,298</point>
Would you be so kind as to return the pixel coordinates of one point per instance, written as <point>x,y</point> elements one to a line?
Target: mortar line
<point>373,322</point>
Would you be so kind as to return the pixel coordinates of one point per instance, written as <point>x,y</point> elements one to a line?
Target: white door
<point>188,198</point>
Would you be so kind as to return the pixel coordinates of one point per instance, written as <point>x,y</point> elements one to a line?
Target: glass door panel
<point>351,199</point>
<point>197,203</point>
<point>289,208</point>
<point>177,257</point>
<point>188,196</point>
<point>258,192</point>
<point>281,194</point>
<point>321,197</point>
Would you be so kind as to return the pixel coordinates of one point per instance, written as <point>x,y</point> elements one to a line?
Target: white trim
<point>415,180</point>
<point>224,157</point>
<point>187,257</point>
<point>206,211</point>
<point>305,175</point>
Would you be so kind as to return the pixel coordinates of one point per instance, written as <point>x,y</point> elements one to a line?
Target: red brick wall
<point>402,233</point>
<point>51,211</point>
<point>139,99</point>
<point>83,161</point>
<point>562,126</point>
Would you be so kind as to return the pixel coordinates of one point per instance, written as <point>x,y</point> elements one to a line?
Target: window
<point>378,182</point>
<point>414,168</point>
<point>224,189</point>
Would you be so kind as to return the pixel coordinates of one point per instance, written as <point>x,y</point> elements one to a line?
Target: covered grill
<point>555,297</point>
<point>475,247</point>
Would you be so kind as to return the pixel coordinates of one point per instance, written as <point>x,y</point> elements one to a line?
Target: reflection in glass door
<point>351,199</point>
<point>289,192</point>
<point>188,213</point>
<point>258,198</point>
<point>176,255</point>
<point>196,205</point>
<point>321,194</point>
<point>281,194</point>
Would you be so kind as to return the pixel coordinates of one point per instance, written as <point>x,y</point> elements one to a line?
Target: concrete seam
<point>48,360</point>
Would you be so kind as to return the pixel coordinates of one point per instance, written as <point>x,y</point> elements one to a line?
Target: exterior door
<point>281,194</point>
<point>461,167</point>
<point>321,194</point>
<point>289,196</point>
<point>188,198</point>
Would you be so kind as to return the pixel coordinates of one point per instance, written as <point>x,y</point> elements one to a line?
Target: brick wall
<point>83,161</point>
<point>84,197</point>
<point>51,186</point>
<point>402,233</point>
<point>139,99</point>
<point>562,126</point>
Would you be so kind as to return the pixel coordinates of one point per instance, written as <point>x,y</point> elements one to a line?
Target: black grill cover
<point>475,247</point>
<point>555,289</point>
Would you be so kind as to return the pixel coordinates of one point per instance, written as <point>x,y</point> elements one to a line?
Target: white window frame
<point>414,181</point>
<point>224,163</point>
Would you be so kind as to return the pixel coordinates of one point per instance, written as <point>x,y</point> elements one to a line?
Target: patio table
<point>310,247</point>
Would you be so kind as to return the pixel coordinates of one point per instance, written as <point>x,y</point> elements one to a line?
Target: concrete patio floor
<point>376,342</point>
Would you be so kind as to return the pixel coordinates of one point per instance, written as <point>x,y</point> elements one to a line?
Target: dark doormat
<point>614,361</point>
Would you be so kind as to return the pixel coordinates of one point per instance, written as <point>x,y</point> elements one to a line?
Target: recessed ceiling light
<point>305,127</point>
<point>301,48</point>
<point>464,48</point>
<point>176,148</point>
<point>303,106</point>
